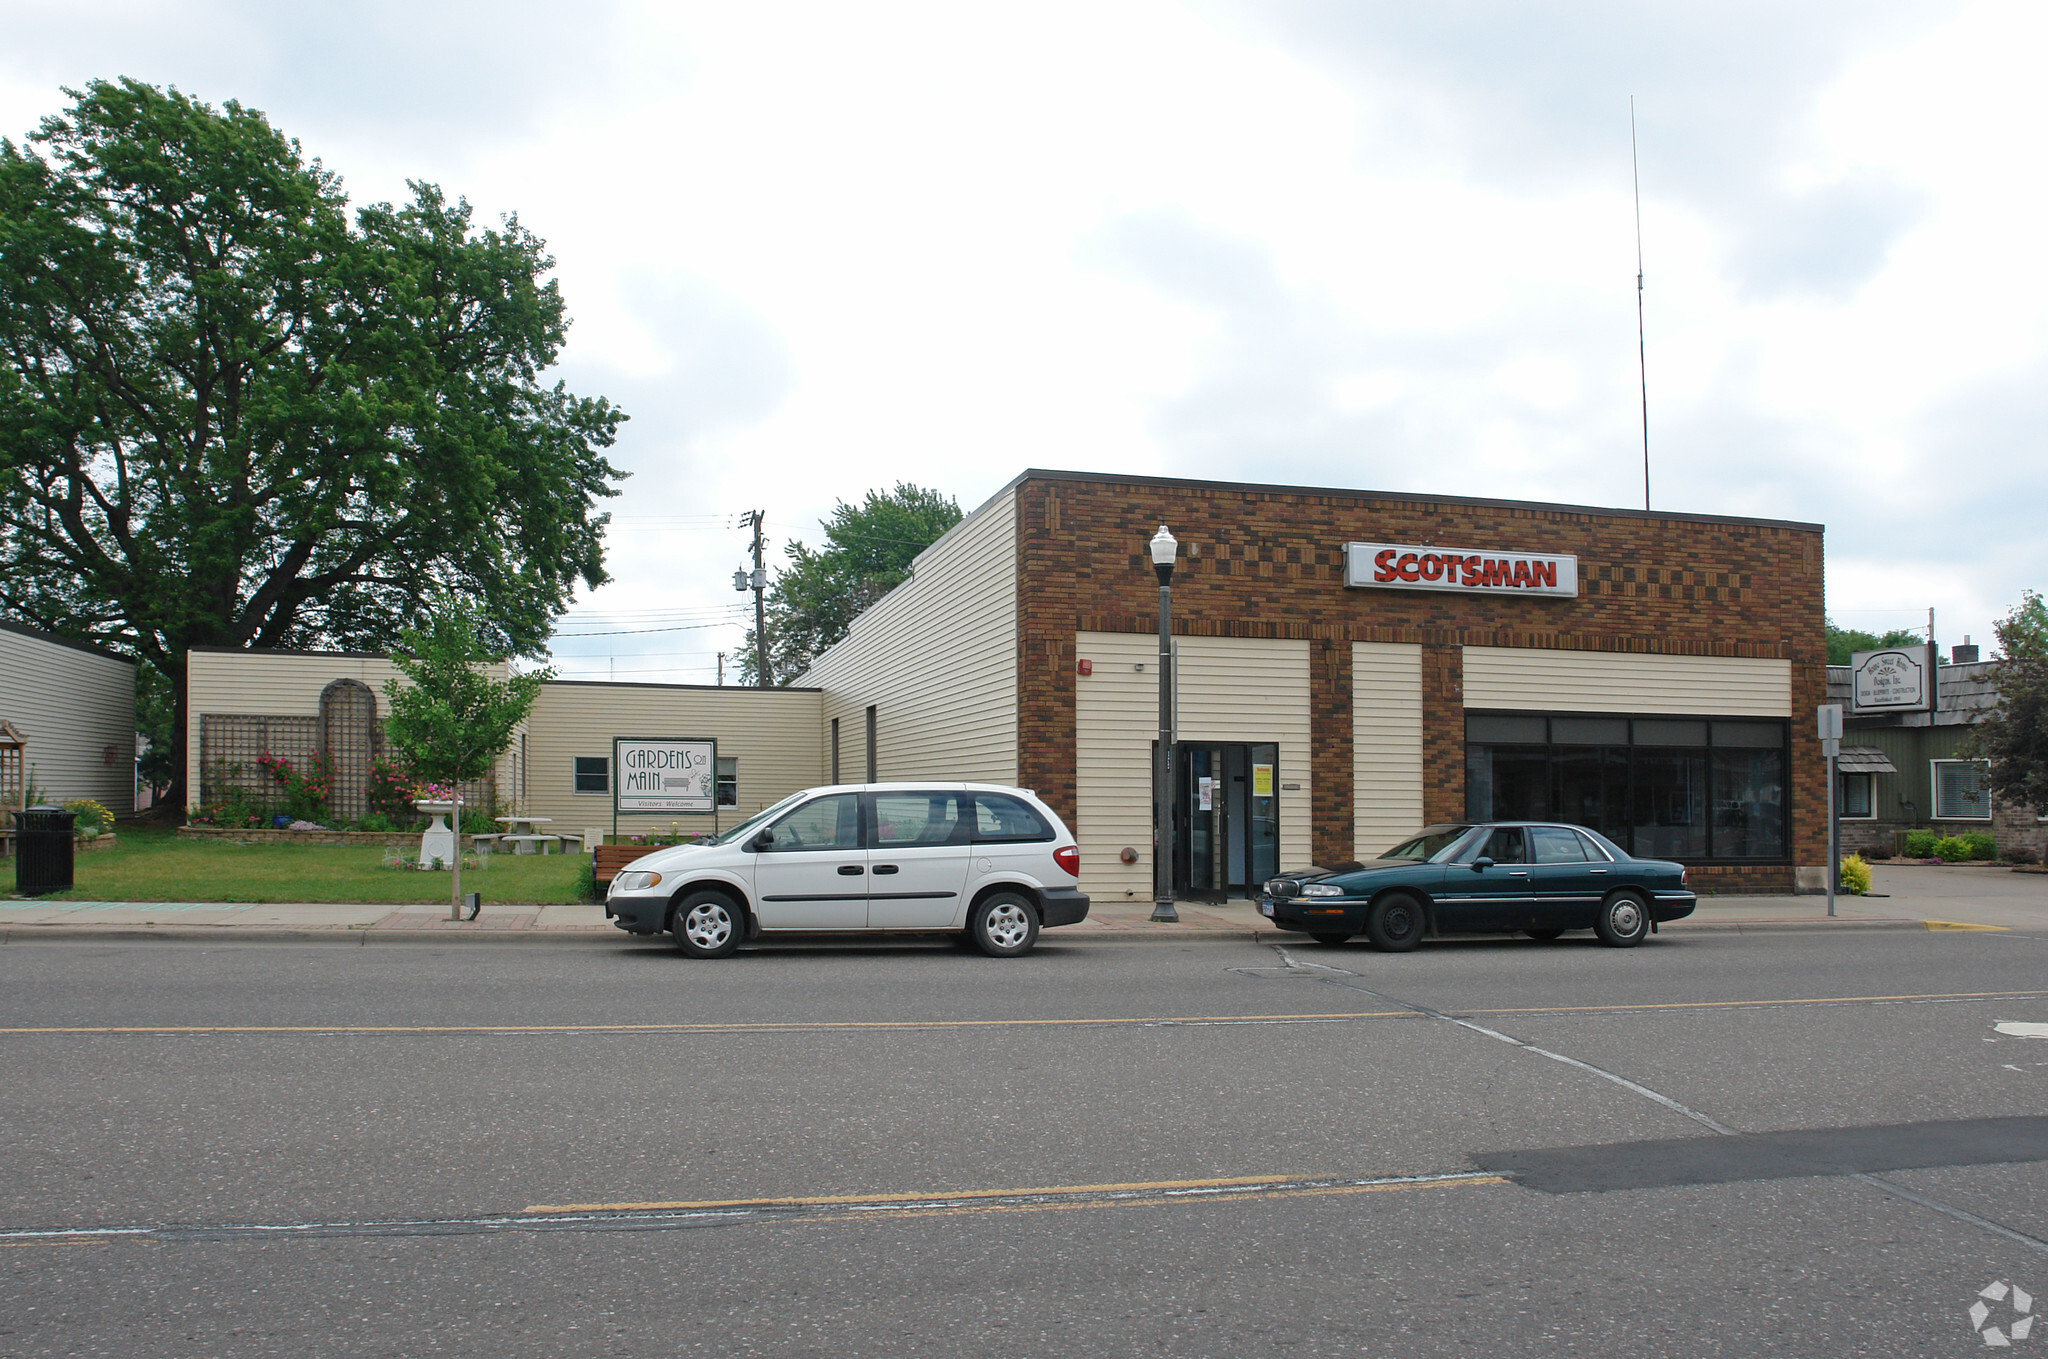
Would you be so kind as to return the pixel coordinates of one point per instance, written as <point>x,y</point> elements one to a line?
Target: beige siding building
<point>75,709</point>
<point>925,684</point>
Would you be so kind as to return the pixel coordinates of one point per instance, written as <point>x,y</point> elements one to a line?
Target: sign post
<point>1830,715</point>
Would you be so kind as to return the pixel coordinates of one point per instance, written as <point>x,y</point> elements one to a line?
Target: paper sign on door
<point>1262,780</point>
<point>1205,790</point>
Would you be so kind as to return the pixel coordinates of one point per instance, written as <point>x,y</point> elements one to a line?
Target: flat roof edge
<point>1353,493</point>
<point>24,630</point>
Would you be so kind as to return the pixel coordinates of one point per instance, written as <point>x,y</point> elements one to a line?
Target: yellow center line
<point>824,1026</point>
<point>1278,1191</point>
<point>827,1200</point>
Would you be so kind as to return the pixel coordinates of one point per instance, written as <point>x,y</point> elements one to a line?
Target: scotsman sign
<point>664,775</point>
<point>1401,566</point>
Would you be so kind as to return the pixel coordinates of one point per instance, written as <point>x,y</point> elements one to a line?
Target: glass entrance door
<point>1226,818</point>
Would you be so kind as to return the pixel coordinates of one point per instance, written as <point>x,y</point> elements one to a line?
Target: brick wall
<point>1269,562</point>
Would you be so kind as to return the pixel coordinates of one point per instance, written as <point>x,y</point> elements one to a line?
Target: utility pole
<point>764,678</point>
<point>721,669</point>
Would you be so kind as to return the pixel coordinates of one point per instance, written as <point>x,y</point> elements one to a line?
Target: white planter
<point>437,841</point>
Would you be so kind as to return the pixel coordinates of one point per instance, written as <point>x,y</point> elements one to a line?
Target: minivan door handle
<point>884,868</point>
<point>850,870</point>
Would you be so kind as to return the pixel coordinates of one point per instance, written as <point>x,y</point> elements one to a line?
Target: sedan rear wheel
<point>706,925</point>
<point>1395,923</point>
<point>1623,920</point>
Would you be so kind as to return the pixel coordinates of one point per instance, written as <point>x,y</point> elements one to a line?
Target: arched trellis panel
<point>349,735</point>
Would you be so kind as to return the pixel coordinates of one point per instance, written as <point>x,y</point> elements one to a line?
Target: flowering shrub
<point>390,792</point>
<point>90,818</point>
<point>305,790</point>
<point>1855,875</point>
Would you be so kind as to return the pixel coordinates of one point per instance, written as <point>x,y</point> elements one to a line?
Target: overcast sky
<point>814,249</point>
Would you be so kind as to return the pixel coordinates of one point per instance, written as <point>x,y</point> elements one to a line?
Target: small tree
<point>2014,738</point>
<point>453,720</point>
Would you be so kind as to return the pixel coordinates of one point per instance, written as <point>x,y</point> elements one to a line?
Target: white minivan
<point>993,862</point>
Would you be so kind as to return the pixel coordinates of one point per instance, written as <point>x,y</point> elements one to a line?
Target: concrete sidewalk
<point>1913,898</point>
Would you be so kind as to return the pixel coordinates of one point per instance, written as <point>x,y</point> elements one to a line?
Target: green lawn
<point>153,864</point>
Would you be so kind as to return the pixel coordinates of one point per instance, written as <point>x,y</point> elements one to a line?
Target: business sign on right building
<point>1895,680</point>
<point>1417,566</point>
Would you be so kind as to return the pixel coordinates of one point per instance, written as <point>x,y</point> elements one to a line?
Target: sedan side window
<point>1506,846</point>
<point>826,823</point>
<point>1557,845</point>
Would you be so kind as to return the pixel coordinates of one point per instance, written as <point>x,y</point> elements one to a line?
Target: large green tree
<point>232,415</point>
<point>1844,643</point>
<point>867,553</point>
<point>2014,738</point>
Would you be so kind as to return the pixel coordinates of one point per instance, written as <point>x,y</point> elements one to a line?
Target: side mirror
<point>761,841</point>
<point>1481,864</point>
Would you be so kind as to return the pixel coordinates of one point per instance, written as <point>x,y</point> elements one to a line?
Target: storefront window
<point>1960,793</point>
<point>1855,797</point>
<point>1671,788</point>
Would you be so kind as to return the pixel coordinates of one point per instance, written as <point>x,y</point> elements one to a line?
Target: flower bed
<point>264,835</point>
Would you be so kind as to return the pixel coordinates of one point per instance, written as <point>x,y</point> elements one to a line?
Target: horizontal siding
<point>772,733</point>
<point>1386,745</point>
<point>1535,680</point>
<point>71,707</point>
<point>283,684</point>
<point>1231,689</point>
<point>937,658</point>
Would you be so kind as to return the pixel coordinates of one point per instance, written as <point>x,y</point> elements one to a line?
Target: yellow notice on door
<point>1262,780</point>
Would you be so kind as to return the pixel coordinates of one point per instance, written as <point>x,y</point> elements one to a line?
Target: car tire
<point>1003,925</point>
<point>1329,937</point>
<point>1623,920</point>
<point>1396,923</point>
<point>1545,936</point>
<point>707,925</point>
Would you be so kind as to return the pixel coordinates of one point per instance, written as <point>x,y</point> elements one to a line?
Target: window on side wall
<point>1856,800</point>
<point>593,774</point>
<point>1960,791</point>
<point>728,781</point>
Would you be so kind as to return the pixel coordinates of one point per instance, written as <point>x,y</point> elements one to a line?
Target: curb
<point>358,937</point>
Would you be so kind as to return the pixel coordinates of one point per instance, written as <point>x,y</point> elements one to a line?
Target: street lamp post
<point>1163,549</point>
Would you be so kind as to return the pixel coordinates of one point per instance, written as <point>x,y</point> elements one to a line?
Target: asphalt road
<point>1106,1148</point>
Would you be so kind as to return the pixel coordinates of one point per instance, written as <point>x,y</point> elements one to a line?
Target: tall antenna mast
<point>1642,352</point>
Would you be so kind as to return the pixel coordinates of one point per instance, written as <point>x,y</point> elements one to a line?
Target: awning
<point>1865,760</point>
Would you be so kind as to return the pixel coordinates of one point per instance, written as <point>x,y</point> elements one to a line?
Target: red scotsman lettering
<point>1406,568</point>
<point>1471,565</point>
<point>1492,572</point>
<point>1521,576</point>
<point>1432,566</point>
<point>1383,565</point>
<point>1543,573</point>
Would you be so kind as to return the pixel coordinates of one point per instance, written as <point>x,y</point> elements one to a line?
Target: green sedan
<point>1496,877</point>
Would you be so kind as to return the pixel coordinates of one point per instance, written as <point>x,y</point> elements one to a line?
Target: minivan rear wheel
<point>1003,925</point>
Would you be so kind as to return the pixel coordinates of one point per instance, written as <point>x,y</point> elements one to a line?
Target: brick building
<point>1638,672</point>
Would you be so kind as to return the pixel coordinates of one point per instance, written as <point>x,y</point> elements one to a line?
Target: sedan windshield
<point>1429,847</point>
<point>755,822</point>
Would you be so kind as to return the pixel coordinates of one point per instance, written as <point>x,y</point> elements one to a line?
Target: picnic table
<point>531,839</point>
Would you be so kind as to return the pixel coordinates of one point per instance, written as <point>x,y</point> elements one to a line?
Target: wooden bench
<point>609,859</point>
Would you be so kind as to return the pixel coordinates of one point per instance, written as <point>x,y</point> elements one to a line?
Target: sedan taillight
<point>1068,857</point>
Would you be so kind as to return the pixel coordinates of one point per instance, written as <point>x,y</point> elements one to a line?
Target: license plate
<point>1266,909</point>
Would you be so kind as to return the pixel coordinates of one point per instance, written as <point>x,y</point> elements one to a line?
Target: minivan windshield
<point>1432,846</point>
<point>755,822</point>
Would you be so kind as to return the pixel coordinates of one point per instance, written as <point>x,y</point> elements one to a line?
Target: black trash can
<point>42,853</point>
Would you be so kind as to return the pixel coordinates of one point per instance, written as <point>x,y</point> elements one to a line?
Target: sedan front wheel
<point>1395,923</point>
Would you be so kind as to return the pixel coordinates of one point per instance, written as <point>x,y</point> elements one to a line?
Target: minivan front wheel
<point>1003,925</point>
<point>706,925</point>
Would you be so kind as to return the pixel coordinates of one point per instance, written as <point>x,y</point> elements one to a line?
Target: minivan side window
<point>1000,819</point>
<point>906,819</point>
<point>822,823</point>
